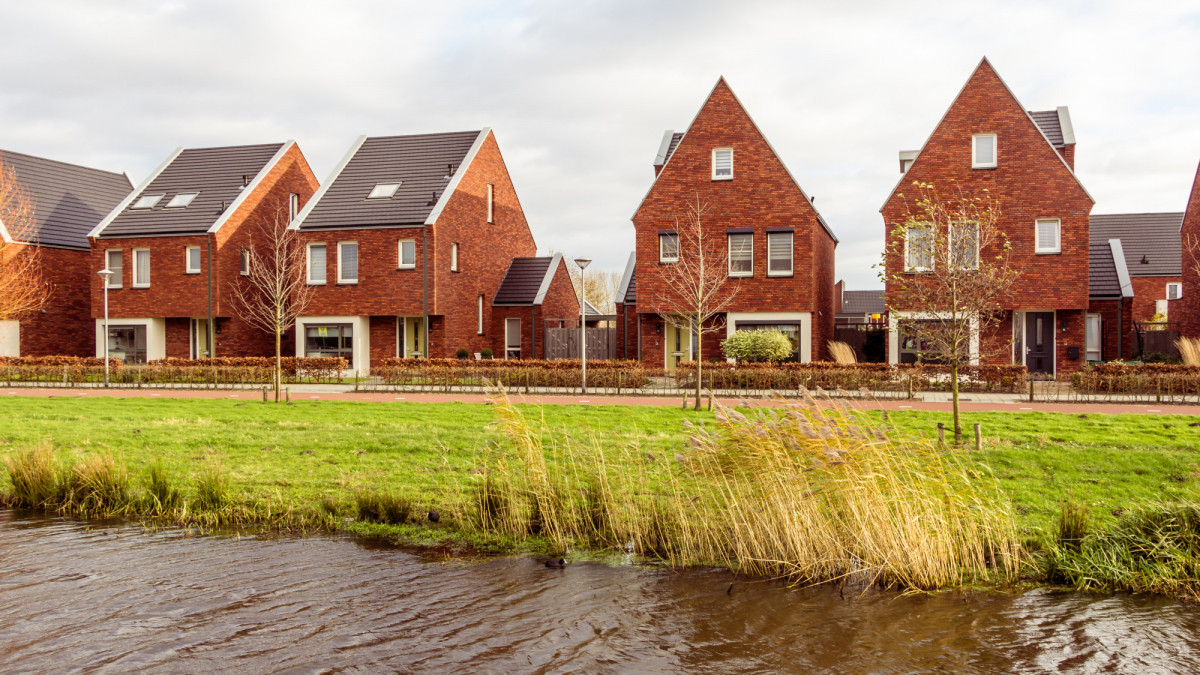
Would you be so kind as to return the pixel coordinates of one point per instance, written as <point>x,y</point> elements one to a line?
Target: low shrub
<point>250,370</point>
<point>461,353</point>
<point>382,507</point>
<point>1146,379</point>
<point>35,475</point>
<point>98,485</point>
<point>445,373</point>
<point>485,353</point>
<point>851,377</point>
<point>212,487</point>
<point>756,346</point>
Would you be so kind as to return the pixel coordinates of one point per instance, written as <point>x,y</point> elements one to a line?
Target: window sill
<point>993,166</point>
<point>781,275</point>
<point>348,283</point>
<point>407,267</point>
<point>715,178</point>
<point>668,262</point>
<point>141,286</point>
<point>316,283</point>
<point>741,276</point>
<point>191,272</point>
<point>920,271</point>
<point>1058,252</point>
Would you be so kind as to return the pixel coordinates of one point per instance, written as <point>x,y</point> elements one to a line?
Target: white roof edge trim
<point>458,176</point>
<point>252,186</point>
<point>626,277</point>
<point>663,147</point>
<point>324,187</point>
<point>1118,254</point>
<point>1064,122</point>
<point>4,236</point>
<point>545,287</point>
<point>112,215</point>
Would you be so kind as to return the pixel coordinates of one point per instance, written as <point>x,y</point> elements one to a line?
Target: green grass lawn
<point>300,455</point>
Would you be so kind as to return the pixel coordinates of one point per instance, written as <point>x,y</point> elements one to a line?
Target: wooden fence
<point>563,343</point>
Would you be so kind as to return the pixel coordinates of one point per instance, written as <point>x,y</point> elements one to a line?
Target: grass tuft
<point>97,486</point>
<point>1073,524</point>
<point>212,487</point>
<point>161,495</point>
<point>383,507</point>
<point>35,475</point>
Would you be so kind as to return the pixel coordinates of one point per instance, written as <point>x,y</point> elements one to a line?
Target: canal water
<point>115,598</point>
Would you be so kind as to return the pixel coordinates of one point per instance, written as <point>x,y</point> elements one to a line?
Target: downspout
<point>1120,328</point>
<point>624,331</point>
<point>532,333</point>
<point>639,324</point>
<point>425,284</point>
<point>212,342</point>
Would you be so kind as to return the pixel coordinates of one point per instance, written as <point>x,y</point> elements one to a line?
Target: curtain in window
<point>964,245</point>
<point>316,264</point>
<point>1047,233</point>
<point>349,262</point>
<point>142,267</point>
<point>919,252</point>
<point>117,266</point>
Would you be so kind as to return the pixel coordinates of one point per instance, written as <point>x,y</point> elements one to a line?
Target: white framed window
<point>192,260</point>
<point>408,254</point>
<point>141,268</point>
<point>918,247</point>
<point>244,262</point>
<point>384,190</point>
<point>741,254</point>
<point>293,206</point>
<point>114,261</point>
<point>347,253</point>
<point>1092,340</point>
<point>454,257</point>
<point>490,197</point>
<point>668,247</point>
<point>779,254</point>
<point>983,151</point>
<point>1046,235</point>
<point>479,319</point>
<point>722,164</point>
<point>964,245</point>
<point>316,264</point>
<point>1174,290</point>
<point>181,200</point>
<point>147,201</point>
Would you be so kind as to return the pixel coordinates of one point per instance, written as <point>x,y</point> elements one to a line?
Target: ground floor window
<point>1092,335</point>
<point>790,330</point>
<point>330,340</point>
<point>916,345</point>
<point>127,343</point>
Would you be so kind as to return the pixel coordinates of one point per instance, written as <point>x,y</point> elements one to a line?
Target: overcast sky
<point>579,93</point>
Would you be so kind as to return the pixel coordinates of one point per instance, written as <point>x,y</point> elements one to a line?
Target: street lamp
<point>104,275</point>
<point>583,263</point>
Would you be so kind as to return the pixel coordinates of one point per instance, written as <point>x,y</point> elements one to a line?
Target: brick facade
<point>62,326</point>
<point>561,302</point>
<point>1147,291</point>
<point>1030,181</point>
<point>761,196</point>
<point>1189,303</point>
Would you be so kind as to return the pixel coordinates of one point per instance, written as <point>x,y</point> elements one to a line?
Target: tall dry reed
<point>1189,350</point>
<point>842,352</point>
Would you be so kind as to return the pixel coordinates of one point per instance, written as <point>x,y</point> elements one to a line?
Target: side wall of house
<point>1147,291</point>
<point>64,326</point>
<point>1189,314</point>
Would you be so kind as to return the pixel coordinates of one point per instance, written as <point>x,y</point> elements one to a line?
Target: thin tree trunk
<point>958,436</point>
<point>278,363</point>
<point>699,361</point>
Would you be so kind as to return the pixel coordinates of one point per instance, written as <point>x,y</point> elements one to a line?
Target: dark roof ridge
<point>59,161</point>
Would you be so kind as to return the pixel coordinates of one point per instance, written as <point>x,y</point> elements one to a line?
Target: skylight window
<point>181,200</point>
<point>383,191</point>
<point>147,201</point>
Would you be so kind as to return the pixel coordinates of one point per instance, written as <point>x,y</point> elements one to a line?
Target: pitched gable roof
<point>985,68</point>
<point>863,302</point>
<point>427,166</point>
<point>627,290</point>
<point>1149,237</point>
<point>1055,125</point>
<point>221,177</point>
<point>68,200</point>
<point>527,281</point>
<point>667,149</point>
<point>1108,276</point>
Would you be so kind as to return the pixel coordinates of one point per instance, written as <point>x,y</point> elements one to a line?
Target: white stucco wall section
<point>360,346</point>
<point>156,335</point>
<point>805,319</point>
<point>894,318</point>
<point>10,338</point>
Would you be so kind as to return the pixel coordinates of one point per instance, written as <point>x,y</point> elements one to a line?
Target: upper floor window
<point>141,268</point>
<point>181,200</point>
<point>244,262</point>
<point>1174,290</point>
<point>918,248</point>
<point>668,247</point>
<point>479,319</point>
<point>384,190</point>
<point>193,260</point>
<point>408,254</point>
<point>316,264</point>
<point>114,261</point>
<point>741,255</point>
<point>722,164</point>
<point>147,201</point>
<point>964,245</point>
<point>983,151</point>
<point>347,262</point>
<point>490,196</point>
<point>454,257</point>
<point>779,254</point>
<point>1047,235</point>
<point>293,206</point>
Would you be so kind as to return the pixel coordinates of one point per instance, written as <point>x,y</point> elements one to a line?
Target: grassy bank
<point>312,463</point>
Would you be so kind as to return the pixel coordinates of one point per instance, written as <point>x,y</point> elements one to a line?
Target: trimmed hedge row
<point>239,370</point>
<point>448,373</point>
<point>853,376</point>
<point>1145,379</point>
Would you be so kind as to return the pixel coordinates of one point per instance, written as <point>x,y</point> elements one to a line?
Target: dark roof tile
<point>1102,271</point>
<point>522,281</point>
<point>1048,122</point>
<point>1153,237</point>
<point>69,200</point>
<point>863,302</point>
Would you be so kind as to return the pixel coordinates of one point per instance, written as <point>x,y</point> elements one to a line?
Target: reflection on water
<point>118,599</point>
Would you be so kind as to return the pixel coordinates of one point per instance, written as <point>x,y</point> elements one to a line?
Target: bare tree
<point>601,285</point>
<point>274,292</point>
<point>697,288</point>
<point>948,264</point>
<point>22,286</point>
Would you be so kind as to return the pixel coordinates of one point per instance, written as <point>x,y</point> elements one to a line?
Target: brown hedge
<point>1145,378</point>
<point>875,376</point>
<point>446,373</point>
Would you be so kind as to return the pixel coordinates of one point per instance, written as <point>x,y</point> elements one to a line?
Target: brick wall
<point>64,326</point>
<point>1147,291</point>
<point>1112,330</point>
<point>1189,304</point>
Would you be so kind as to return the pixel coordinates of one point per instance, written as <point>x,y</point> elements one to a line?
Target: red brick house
<point>68,201</point>
<point>176,244</point>
<point>1024,160</point>
<point>776,248</point>
<point>1188,315</point>
<point>534,291</point>
<point>409,241</point>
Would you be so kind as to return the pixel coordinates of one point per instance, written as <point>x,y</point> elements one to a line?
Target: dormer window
<point>983,151</point>
<point>181,200</point>
<point>147,201</point>
<point>722,164</point>
<point>384,191</point>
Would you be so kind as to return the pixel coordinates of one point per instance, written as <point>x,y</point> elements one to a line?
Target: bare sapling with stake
<point>23,289</point>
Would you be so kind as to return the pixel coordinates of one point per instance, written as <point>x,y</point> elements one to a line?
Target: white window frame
<point>114,280</point>
<point>357,263</point>
<point>400,264</point>
<point>293,206</point>
<point>908,267</point>
<point>308,269</point>
<point>950,241</point>
<point>1178,290</point>
<point>384,190</point>
<point>729,254</point>
<point>662,258</point>
<point>182,200</point>
<point>137,281</point>
<point>146,202</point>
<point>187,260</point>
<point>1087,337</point>
<point>479,320</point>
<point>791,249</point>
<point>454,256</point>
<point>1037,236</point>
<point>714,163</point>
<point>975,163</point>
<point>490,203</point>
<point>244,262</point>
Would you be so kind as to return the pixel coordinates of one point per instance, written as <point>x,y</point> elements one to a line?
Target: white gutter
<point>1118,254</point>
<point>545,287</point>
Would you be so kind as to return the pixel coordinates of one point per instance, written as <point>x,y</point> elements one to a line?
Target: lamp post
<point>583,263</point>
<point>104,275</point>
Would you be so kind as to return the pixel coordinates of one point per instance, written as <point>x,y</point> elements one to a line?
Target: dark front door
<point>1039,342</point>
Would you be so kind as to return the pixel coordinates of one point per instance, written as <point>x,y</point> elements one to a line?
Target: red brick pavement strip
<point>938,406</point>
